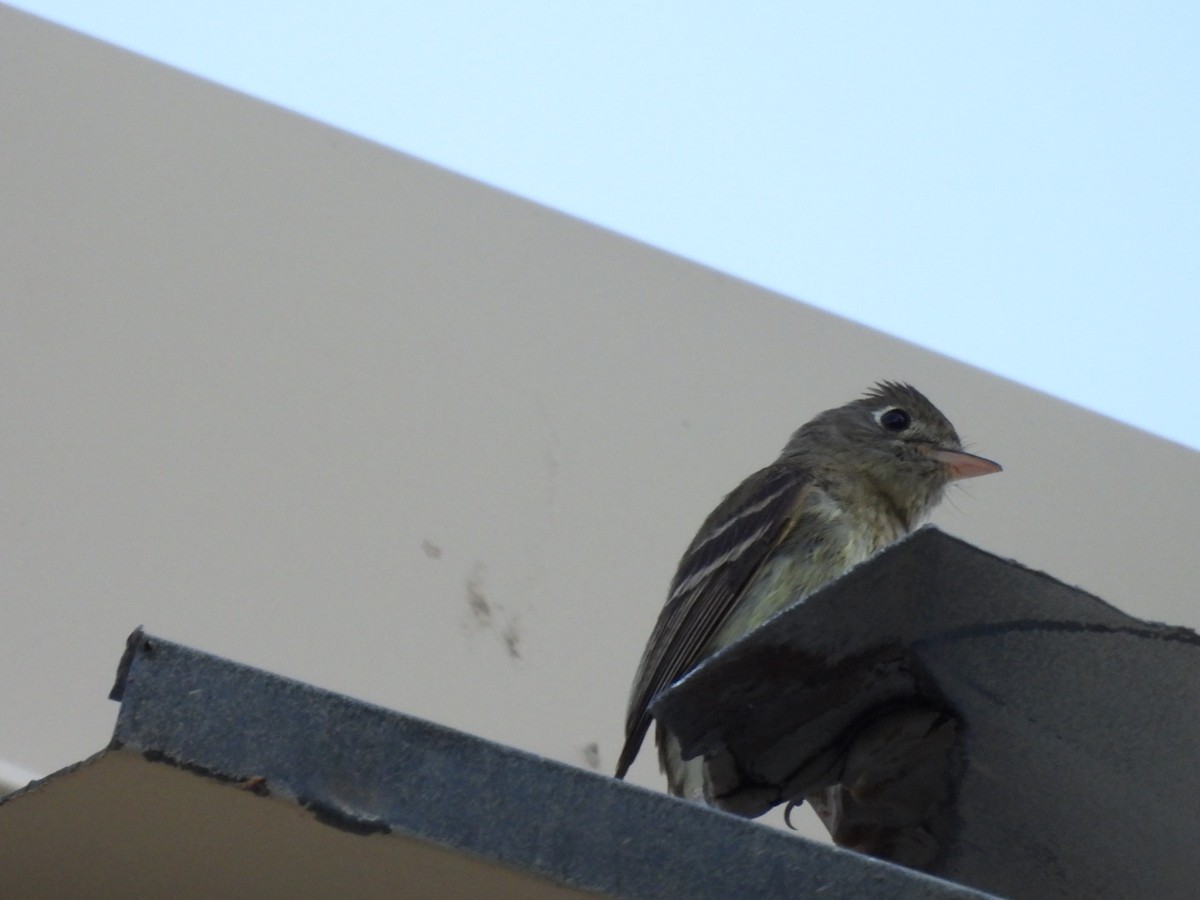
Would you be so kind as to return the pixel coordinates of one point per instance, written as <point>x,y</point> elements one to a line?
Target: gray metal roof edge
<point>365,769</point>
<point>35,785</point>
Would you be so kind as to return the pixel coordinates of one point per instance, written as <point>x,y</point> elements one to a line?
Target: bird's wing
<point>715,570</point>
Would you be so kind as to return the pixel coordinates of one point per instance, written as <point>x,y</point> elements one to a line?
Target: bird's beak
<point>962,464</point>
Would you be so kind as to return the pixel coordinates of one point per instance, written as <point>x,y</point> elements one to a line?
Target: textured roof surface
<point>1060,734</point>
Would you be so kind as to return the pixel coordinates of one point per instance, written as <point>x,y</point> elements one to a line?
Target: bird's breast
<point>825,543</point>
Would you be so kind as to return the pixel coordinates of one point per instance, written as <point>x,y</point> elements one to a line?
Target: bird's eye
<point>895,420</point>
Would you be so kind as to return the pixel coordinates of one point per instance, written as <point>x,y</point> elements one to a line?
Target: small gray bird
<point>848,483</point>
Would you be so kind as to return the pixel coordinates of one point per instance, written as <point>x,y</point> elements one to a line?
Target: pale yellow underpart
<point>797,569</point>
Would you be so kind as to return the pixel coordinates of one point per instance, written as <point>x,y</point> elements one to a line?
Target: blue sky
<point>1015,185</point>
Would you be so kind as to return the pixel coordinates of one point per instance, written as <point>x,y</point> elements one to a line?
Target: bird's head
<point>891,441</point>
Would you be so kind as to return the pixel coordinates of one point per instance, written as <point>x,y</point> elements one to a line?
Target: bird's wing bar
<point>728,550</point>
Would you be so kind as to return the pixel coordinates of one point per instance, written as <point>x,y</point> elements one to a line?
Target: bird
<point>848,483</point>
